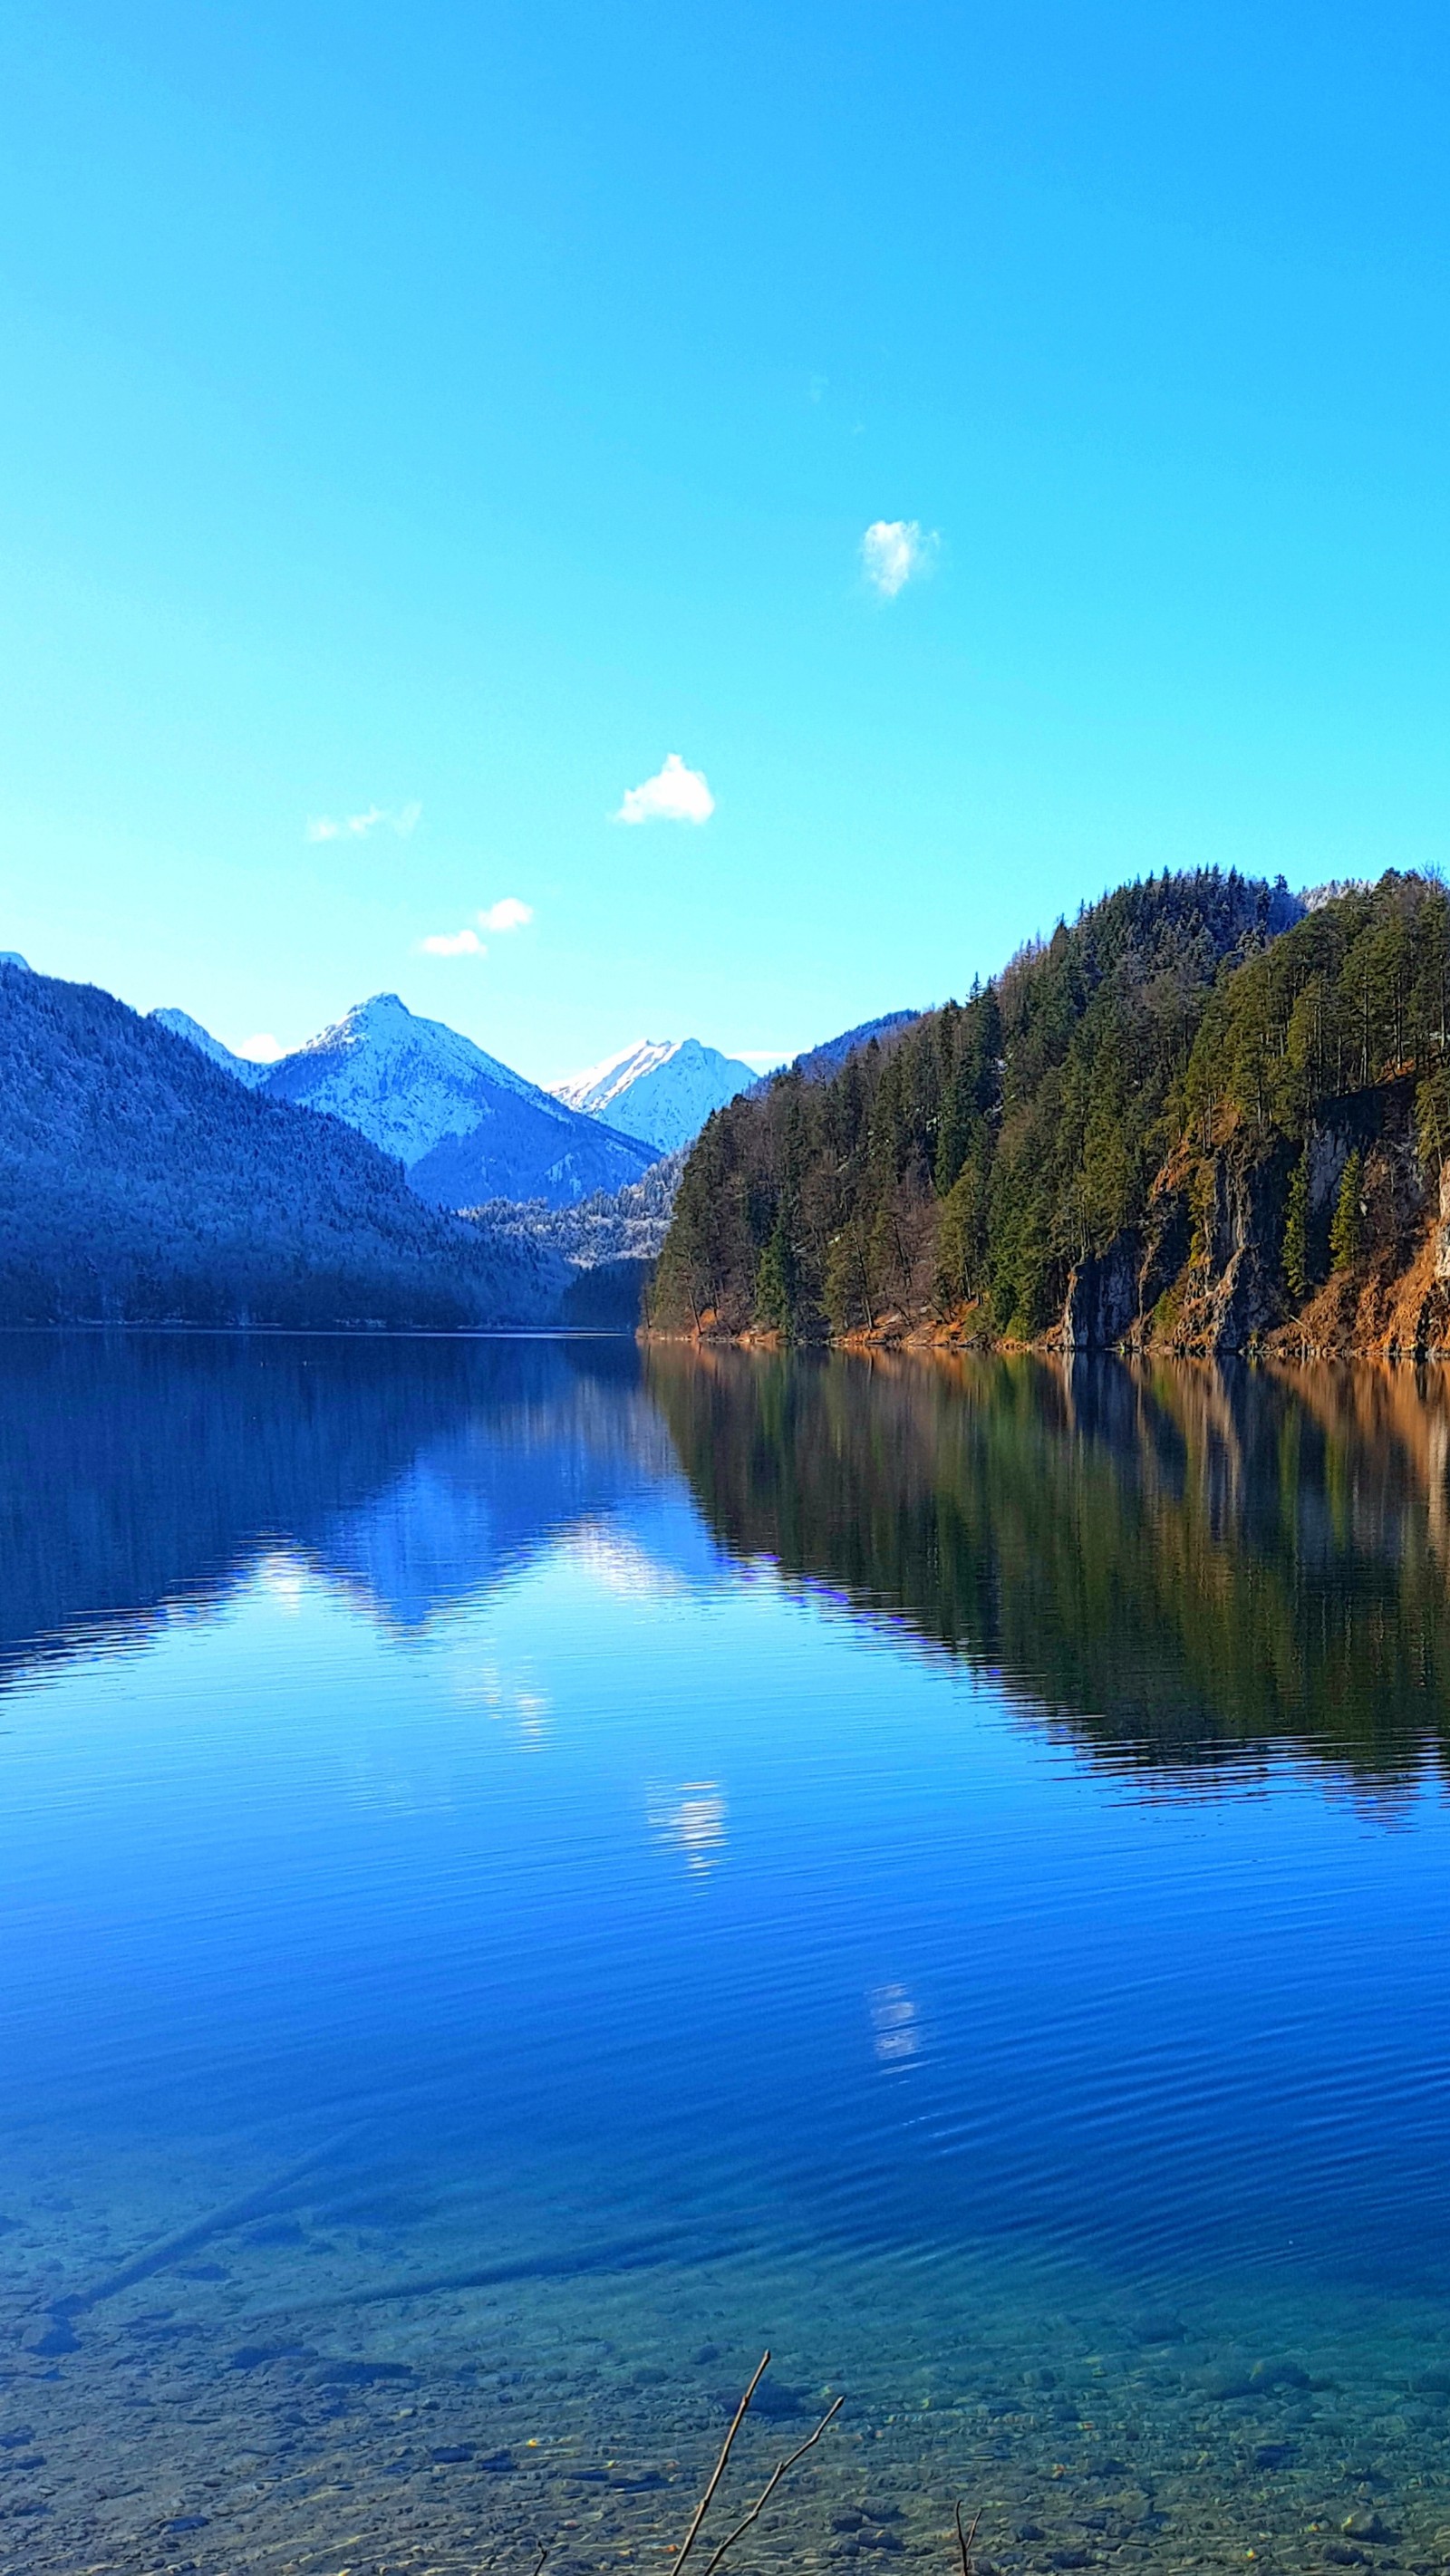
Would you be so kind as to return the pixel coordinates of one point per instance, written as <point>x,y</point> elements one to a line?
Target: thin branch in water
<point>703,2507</point>
<point>544,2548</point>
<point>772,2482</point>
<point>965,2539</point>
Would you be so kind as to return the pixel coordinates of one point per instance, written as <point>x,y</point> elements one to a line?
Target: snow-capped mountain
<point>662,1090</point>
<point>182,1025</point>
<point>465,1127</point>
<point>140,1181</point>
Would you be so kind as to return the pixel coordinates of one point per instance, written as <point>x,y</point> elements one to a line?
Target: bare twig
<point>965,2539</point>
<point>703,2507</point>
<point>544,2548</point>
<point>772,2482</point>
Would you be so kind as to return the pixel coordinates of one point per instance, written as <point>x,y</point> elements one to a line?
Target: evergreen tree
<point>1296,1231</point>
<point>774,1284</point>
<point>1346,1235</point>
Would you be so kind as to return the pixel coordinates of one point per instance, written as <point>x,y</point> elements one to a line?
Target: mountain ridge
<point>140,1182</point>
<point>464,1125</point>
<point>241,1068</point>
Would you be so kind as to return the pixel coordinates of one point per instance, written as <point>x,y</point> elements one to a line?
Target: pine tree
<point>774,1283</point>
<point>1346,1235</point>
<point>1296,1231</point>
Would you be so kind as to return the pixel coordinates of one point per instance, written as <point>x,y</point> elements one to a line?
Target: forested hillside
<point>139,1182</point>
<point>1181,1119</point>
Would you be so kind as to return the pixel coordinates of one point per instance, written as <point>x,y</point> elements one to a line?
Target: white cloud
<point>507,914</point>
<point>453,943</point>
<point>263,1049</point>
<point>894,552</point>
<point>356,827</point>
<point>674,795</point>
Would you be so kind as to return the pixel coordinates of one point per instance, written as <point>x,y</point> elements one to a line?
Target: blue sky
<point>445,414</point>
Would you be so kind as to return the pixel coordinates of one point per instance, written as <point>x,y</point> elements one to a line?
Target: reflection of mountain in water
<point>1179,1562</point>
<point>138,1471</point>
<point>551,1449</point>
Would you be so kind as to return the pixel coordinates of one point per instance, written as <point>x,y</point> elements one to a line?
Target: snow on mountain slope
<point>182,1025</point>
<point>466,1127</point>
<point>662,1090</point>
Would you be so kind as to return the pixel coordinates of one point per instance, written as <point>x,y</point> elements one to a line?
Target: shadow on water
<point>1180,1564</point>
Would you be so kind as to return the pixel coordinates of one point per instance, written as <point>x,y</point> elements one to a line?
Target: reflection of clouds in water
<point>532,1711</point>
<point>518,1701</point>
<point>690,1818</point>
<point>895,2024</point>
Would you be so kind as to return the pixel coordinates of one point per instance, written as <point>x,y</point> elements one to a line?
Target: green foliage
<point>775,1284</point>
<point>982,1151</point>
<point>1346,1234</point>
<point>1296,1231</point>
<point>1354,994</point>
<point>990,1146</point>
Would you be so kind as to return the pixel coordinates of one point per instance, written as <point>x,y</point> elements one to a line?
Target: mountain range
<point>140,1182</point>
<point>661,1090</point>
<point>467,1128</point>
<point>147,1174</point>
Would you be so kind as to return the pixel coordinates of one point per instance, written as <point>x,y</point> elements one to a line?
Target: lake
<point>533,1870</point>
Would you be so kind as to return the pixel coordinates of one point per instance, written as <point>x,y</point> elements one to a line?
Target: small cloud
<point>507,914</point>
<point>765,1057</point>
<point>356,827</point>
<point>263,1049</point>
<point>674,795</point>
<point>894,552</point>
<point>453,943</point>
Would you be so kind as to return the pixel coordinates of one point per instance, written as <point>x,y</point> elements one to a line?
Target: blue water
<point>617,1860</point>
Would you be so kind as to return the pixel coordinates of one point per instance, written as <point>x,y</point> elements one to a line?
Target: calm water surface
<point>531,1871</point>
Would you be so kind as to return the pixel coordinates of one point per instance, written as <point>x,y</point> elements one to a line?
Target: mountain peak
<point>660,1089</point>
<point>465,1127</point>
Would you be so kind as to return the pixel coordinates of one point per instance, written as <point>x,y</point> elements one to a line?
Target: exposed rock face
<point>1102,1295</point>
<point>1228,1293</point>
<point>1233,1293</point>
<point>1442,1230</point>
<point>1111,1295</point>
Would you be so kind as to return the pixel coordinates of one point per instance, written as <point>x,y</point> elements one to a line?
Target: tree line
<point>999,1141</point>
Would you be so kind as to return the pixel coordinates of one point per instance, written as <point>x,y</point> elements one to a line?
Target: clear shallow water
<point>558,1868</point>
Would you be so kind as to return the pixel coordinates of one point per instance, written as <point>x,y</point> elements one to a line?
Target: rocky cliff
<point>1205,1273</point>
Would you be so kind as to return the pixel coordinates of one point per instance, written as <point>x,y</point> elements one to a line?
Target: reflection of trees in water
<point>140,1471</point>
<point>1179,1560</point>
